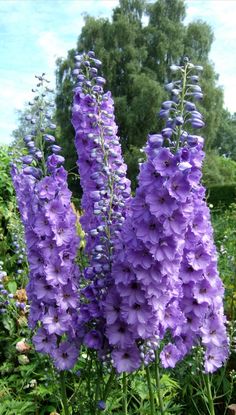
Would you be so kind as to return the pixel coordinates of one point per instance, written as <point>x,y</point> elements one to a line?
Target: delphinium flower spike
<point>202,288</point>
<point>158,240</point>
<point>106,190</point>
<point>44,202</point>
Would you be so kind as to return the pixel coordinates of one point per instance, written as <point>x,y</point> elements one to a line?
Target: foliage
<point>24,373</point>
<point>225,140</point>
<point>7,208</point>
<point>221,195</point>
<point>193,386</point>
<point>132,158</point>
<point>218,170</point>
<point>225,236</point>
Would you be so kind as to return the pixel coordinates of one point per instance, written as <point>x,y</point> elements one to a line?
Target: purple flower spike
<point>106,192</point>
<point>164,269</point>
<point>44,202</point>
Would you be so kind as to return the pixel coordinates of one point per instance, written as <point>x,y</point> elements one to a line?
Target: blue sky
<point>33,33</point>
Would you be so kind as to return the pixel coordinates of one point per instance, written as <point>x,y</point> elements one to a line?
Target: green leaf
<point>12,287</point>
<point>48,409</point>
<point>8,323</point>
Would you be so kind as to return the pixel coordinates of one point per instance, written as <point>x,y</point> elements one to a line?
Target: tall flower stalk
<point>165,267</point>
<point>44,202</point>
<point>106,190</point>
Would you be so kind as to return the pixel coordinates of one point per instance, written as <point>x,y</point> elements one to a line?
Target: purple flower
<point>119,334</point>
<point>56,274</point>
<point>170,355</point>
<point>198,258</point>
<point>126,360</point>
<point>93,339</point>
<point>65,356</point>
<point>161,203</point>
<point>44,342</point>
<point>165,250</point>
<point>45,188</point>
<point>44,290</point>
<point>214,358</point>
<point>112,307</point>
<point>53,161</point>
<point>67,298</point>
<point>55,321</point>
<point>179,186</point>
<point>164,162</point>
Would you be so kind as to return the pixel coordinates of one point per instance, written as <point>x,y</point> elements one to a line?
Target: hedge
<point>221,195</point>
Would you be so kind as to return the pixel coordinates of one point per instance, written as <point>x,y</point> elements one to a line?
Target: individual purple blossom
<point>93,339</point>
<point>65,356</point>
<point>170,355</point>
<point>126,360</point>
<point>44,342</point>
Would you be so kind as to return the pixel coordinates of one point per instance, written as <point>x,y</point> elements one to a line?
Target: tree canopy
<point>136,60</point>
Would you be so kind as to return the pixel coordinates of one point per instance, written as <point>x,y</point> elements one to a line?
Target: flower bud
<point>170,86</point>
<point>22,346</point>
<point>175,68</point>
<point>33,171</point>
<point>23,359</point>
<point>27,159</point>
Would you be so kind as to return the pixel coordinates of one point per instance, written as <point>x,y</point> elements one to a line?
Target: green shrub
<point>221,195</point>
<point>218,170</point>
<point>7,209</point>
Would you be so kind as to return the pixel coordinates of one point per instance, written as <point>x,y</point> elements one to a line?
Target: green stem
<point>63,394</point>
<point>108,384</point>
<point>158,384</point>
<point>151,395</point>
<point>124,395</point>
<point>181,105</point>
<point>98,385</point>
<point>209,396</point>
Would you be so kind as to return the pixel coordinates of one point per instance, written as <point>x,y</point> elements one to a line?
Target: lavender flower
<point>164,268</point>
<point>44,202</point>
<point>106,190</point>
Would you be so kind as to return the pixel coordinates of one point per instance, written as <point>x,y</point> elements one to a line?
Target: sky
<point>33,33</point>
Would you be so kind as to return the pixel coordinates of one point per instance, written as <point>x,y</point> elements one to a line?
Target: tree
<point>164,36</point>
<point>197,45</point>
<point>136,62</point>
<point>226,135</point>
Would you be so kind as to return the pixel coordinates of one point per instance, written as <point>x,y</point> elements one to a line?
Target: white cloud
<point>14,95</point>
<point>101,7</point>
<point>52,47</point>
